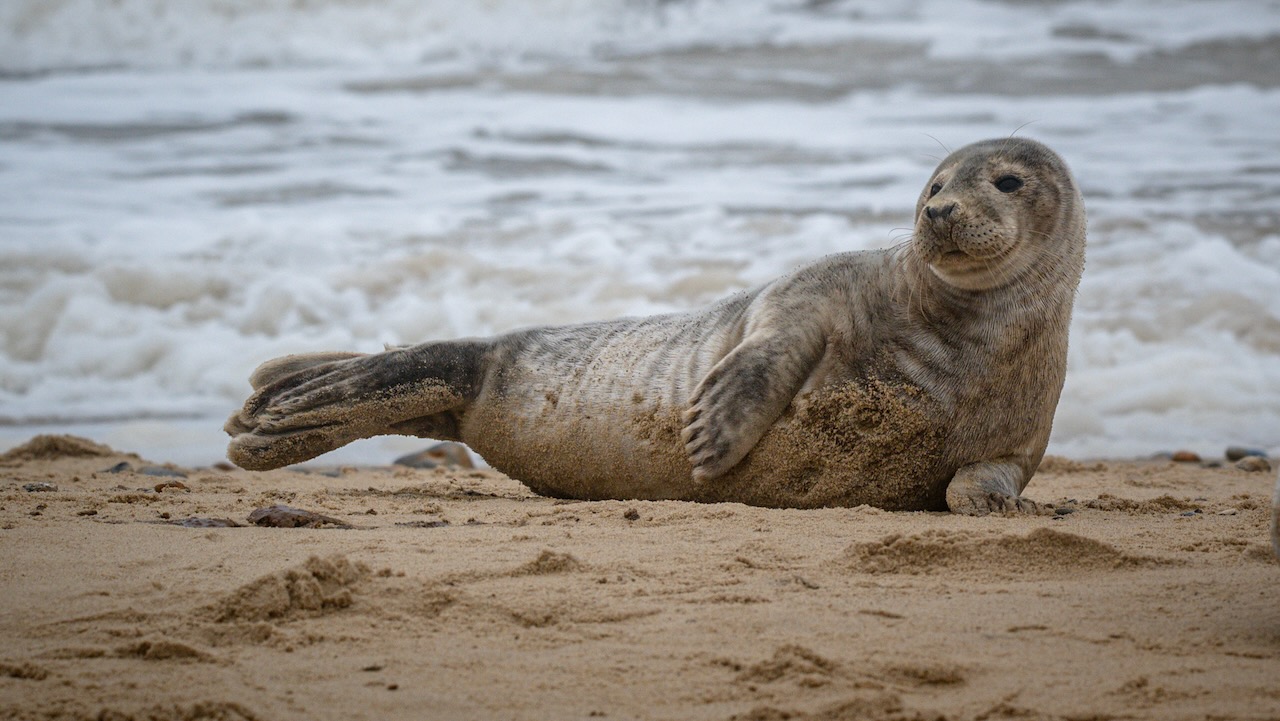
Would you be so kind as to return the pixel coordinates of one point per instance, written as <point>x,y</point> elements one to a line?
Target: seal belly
<point>854,442</point>
<point>607,425</point>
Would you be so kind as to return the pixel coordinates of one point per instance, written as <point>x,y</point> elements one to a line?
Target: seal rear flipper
<point>314,404</point>
<point>277,368</point>
<point>263,452</point>
<point>982,488</point>
<point>742,396</point>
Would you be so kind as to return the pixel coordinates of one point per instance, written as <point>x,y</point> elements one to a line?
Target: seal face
<point>921,377</point>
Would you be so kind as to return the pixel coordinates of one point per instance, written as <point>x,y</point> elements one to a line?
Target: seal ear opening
<point>277,368</point>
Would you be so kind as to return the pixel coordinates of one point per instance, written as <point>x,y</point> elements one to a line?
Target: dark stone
<point>1235,453</point>
<point>631,515</point>
<point>120,467</point>
<point>161,471</point>
<point>195,522</point>
<point>39,487</point>
<point>423,524</point>
<point>280,516</point>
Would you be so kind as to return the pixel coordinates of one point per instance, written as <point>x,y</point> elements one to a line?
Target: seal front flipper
<point>741,397</point>
<point>982,488</point>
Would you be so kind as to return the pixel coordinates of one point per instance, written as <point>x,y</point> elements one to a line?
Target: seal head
<point>997,210</point>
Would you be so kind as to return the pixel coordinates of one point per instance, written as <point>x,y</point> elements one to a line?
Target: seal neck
<point>1045,288</point>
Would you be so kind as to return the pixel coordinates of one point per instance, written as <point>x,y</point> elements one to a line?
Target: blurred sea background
<point>190,187</point>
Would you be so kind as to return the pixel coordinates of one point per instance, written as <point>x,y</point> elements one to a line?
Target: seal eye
<point>1008,183</point>
<point>935,189</point>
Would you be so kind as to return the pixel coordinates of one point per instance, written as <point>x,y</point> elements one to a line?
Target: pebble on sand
<point>281,516</point>
<point>1185,457</point>
<point>446,454</point>
<point>1254,464</point>
<point>1235,453</point>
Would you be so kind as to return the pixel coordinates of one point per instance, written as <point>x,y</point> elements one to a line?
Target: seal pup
<point>921,377</point>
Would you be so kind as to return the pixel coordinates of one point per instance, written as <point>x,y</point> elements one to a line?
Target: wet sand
<point>458,594</point>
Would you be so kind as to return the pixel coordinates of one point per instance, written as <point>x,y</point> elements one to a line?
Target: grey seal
<point>920,377</point>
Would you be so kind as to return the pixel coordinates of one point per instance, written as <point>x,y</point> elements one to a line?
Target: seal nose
<point>943,212</point>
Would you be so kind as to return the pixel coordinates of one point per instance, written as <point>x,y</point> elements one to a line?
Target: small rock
<point>423,524</point>
<point>1064,510</point>
<point>447,455</point>
<point>87,512</point>
<point>120,467</point>
<point>1254,464</point>
<point>171,486</point>
<point>326,472</point>
<point>39,487</point>
<point>194,522</point>
<point>1185,457</point>
<point>1228,512</point>
<point>1188,514</point>
<point>161,471</point>
<point>281,516</point>
<point>631,515</point>
<point>1235,453</point>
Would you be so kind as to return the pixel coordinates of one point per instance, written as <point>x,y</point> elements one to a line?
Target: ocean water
<point>188,188</point>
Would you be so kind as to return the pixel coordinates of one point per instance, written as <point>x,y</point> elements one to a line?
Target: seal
<point>920,377</point>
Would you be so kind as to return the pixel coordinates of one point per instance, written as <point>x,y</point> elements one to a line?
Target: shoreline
<point>459,594</point>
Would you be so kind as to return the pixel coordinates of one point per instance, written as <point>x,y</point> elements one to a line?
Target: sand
<point>461,595</point>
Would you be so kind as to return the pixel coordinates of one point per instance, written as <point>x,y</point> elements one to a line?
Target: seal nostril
<point>943,212</point>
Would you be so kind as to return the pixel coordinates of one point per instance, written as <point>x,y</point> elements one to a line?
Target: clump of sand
<point>50,447</point>
<point>318,586</point>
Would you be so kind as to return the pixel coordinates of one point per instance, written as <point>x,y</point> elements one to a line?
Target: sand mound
<point>870,707</point>
<point>1044,550</point>
<point>1157,505</point>
<point>318,587</point>
<point>209,711</point>
<point>791,662</point>
<point>162,650</point>
<point>23,670</point>
<point>549,562</point>
<point>47,447</point>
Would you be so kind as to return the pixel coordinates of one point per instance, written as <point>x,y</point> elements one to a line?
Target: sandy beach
<point>458,594</point>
